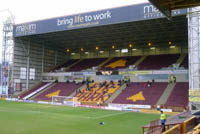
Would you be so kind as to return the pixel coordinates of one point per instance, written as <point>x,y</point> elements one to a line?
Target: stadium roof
<point>165,6</point>
<point>137,24</point>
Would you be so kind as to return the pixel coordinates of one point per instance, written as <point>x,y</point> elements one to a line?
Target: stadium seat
<point>66,64</point>
<point>179,95</point>
<point>151,62</point>
<point>120,62</point>
<point>86,63</point>
<point>185,62</point>
<point>27,92</point>
<point>59,89</point>
<point>138,93</point>
<point>97,93</point>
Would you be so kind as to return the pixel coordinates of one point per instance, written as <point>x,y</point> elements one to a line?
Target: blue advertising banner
<point>130,13</point>
<point>153,76</point>
<point>110,77</point>
<point>4,78</point>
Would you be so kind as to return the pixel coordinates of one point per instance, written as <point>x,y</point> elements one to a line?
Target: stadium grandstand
<point>131,58</point>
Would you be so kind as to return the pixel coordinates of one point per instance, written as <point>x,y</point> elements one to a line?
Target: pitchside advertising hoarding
<point>104,17</point>
<point>194,95</point>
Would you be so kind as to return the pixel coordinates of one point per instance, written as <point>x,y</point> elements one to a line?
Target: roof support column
<point>194,56</point>
<point>43,57</point>
<point>56,55</point>
<point>28,65</point>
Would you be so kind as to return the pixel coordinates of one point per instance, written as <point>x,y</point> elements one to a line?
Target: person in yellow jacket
<point>162,119</point>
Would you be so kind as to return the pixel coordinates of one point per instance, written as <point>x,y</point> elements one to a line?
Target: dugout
<point>43,44</point>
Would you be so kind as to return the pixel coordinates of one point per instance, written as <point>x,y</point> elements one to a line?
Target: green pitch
<point>27,118</point>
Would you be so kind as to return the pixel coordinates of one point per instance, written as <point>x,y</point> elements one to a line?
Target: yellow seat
<point>97,93</point>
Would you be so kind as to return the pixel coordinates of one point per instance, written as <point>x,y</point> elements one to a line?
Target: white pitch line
<point>24,111</point>
<point>13,110</point>
<point>5,109</point>
<point>109,115</point>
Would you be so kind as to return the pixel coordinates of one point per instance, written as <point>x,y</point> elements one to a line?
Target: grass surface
<point>27,118</point>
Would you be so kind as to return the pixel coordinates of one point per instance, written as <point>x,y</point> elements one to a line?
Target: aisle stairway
<point>39,89</point>
<point>80,88</point>
<point>105,62</point>
<point>179,95</point>
<point>137,63</point>
<point>59,89</point>
<point>115,94</point>
<point>35,95</point>
<point>181,59</point>
<point>68,67</point>
<point>166,94</point>
<point>139,93</point>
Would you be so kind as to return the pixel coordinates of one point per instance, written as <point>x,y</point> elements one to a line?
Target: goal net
<point>65,100</point>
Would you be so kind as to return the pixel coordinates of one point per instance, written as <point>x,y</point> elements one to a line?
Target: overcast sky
<point>29,10</point>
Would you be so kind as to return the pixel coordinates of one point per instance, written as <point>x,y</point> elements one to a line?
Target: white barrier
<point>40,89</point>
<point>43,102</point>
<point>113,108</point>
<point>12,99</point>
<point>166,110</point>
<point>130,106</point>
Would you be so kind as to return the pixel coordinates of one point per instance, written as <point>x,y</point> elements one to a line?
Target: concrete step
<point>52,68</point>
<point>180,59</point>
<point>80,88</point>
<point>115,94</point>
<point>68,67</point>
<point>166,94</point>
<point>53,84</point>
<point>106,61</point>
<point>140,61</point>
